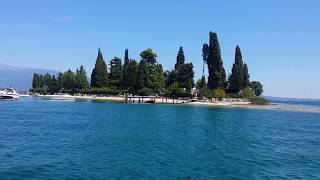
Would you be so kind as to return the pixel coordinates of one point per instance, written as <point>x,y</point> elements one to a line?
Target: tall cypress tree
<point>217,74</point>
<point>125,69</point>
<point>143,74</point>
<point>116,72</point>
<point>180,58</point>
<point>246,76</point>
<point>36,81</point>
<point>205,54</point>
<point>236,78</point>
<point>126,57</point>
<point>99,76</point>
<point>132,74</point>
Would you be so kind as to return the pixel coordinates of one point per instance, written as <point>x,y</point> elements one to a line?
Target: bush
<point>40,90</point>
<point>256,87</point>
<point>144,91</point>
<point>218,93</point>
<point>104,91</point>
<point>246,93</point>
<point>175,91</point>
<point>259,100</point>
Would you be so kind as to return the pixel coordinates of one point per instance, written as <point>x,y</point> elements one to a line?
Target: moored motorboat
<point>8,94</point>
<point>57,97</point>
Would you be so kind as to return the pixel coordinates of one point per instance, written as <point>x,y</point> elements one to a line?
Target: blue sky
<point>279,39</point>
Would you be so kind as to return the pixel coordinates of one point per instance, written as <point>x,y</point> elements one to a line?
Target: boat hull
<point>57,97</point>
<point>7,98</point>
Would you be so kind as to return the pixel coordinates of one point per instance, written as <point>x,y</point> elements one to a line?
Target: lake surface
<point>53,139</point>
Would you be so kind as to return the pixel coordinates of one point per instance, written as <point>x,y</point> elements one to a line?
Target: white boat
<point>57,97</point>
<point>8,94</point>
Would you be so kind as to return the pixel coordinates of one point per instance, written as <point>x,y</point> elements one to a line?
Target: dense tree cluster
<point>182,74</point>
<point>64,82</point>
<point>147,77</point>
<point>238,80</point>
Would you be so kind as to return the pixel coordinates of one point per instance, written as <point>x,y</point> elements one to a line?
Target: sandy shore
<point>220,103</point>
<point>161,100</point>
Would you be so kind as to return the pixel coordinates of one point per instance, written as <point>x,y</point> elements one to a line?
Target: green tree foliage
<point>143,74</point>
<point>217,74</point>
<point>256,87</point>
<point>115,72</point>
<point>54,88</point>
<point>101,91</point>
<point>99,76</point>
<point>236,78</point>
<point>185,76</point>
<point>65,82</point>
<point>219,93</point>
<point>180,58</point>
<point>60,81</point>
<point>205,54</point>
<point>47,80</point>
<point>201,83</point>
<point>132,74</point>
<point>182,74</point>
<point>149,56</point>
<point>171,77</point>
<point>156,78</point>
<point>246,76</point>
<point>175,91</point>
<point>125,72</point>
<point>68,81</point>
<point>81,81</point>
<point>36,81</point>
<point>145,91</point>
<point>249,94</point>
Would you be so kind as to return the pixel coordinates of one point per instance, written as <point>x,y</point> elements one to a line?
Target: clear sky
<point>279,39</point>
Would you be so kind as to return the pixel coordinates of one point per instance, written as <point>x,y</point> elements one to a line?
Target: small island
<point>146,81</point>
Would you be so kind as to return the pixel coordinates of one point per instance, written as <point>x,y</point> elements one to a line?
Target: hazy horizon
<point>279,40</point>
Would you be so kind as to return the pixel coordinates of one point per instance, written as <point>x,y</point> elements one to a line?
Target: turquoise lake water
<point>89,140</point>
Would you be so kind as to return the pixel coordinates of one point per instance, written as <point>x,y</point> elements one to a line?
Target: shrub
<point>144,91</point>
<point>175,91</point>
<point>104,91</point>
<point>246,93</point>
<point>218,93</point>
<point>259,100</point>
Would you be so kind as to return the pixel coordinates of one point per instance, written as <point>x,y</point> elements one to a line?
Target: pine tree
<point>246,76</point>
<point>116,72</point>
<point>236,78</point>
<point>149,56</point>
<point>217,74</point>
<point>180,58</point>
<point>99,76</point>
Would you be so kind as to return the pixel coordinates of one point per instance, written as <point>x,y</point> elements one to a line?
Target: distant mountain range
<point>18,77</point>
